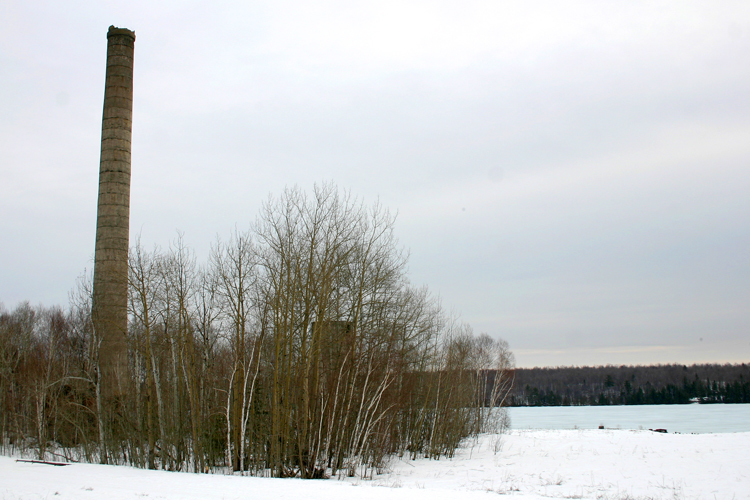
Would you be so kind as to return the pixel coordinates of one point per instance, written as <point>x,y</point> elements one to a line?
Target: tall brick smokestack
<point>110,294</point>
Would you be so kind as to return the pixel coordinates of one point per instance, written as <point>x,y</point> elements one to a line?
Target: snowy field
<point>523,464</point>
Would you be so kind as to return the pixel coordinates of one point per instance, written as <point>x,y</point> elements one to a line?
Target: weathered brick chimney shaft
<point>110,293</point>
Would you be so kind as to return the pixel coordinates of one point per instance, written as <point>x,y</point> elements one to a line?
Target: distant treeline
<point>631,385</point>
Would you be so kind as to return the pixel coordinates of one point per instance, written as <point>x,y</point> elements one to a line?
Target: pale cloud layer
<point>571,176</point>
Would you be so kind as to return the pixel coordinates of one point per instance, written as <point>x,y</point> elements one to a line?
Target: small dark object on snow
<point>659,430</point>
<point>601,427</point>
<point>58,464</point>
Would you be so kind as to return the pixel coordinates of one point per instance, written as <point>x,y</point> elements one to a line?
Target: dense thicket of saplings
<point>631,385</point>
<point>299,348</point>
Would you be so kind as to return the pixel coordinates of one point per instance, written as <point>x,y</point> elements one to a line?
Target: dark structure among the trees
<point>110,293</point>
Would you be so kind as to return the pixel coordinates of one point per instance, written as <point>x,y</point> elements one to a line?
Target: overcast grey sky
<point>571,176</point>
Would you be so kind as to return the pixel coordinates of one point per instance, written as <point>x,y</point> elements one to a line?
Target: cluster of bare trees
<point>299,348</point>
<point>48,381</point>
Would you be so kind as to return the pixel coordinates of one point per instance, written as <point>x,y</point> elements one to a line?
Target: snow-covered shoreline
<point>527,464</point>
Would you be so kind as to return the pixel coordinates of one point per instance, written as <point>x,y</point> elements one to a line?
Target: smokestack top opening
<point>115,31</point>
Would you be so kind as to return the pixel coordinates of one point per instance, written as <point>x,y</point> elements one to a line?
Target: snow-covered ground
<point>525,464</point>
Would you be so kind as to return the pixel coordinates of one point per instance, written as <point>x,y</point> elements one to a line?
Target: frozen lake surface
<point>693,418</point>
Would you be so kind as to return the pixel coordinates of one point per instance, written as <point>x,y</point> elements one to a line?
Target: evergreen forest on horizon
<point>631,385</point>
